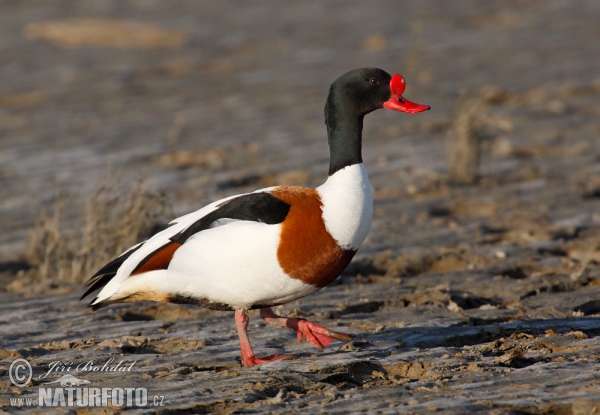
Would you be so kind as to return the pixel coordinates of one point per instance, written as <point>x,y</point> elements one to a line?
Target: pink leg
<point>318,336</point>
<point>241,323</point>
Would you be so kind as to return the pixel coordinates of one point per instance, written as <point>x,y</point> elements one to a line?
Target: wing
<point>157,252</point>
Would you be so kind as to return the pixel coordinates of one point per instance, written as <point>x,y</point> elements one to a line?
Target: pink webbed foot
<point>317,335</point>
<point>250,361</point>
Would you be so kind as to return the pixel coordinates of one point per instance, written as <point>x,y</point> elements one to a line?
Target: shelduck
<point>272,246</point>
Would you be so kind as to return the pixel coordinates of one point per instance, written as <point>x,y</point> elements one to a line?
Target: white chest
<point>348,205</point>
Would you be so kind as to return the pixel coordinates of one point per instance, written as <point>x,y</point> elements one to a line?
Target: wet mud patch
<point>161,311</point>
<point>442,296</point>
<point>351,375</point>
<point>143,345</point>
<point>588,308</point>
<point>415,263</point>
<point>367,306</point>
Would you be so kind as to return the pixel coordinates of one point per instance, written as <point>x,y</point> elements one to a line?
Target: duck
<point>272,246</point>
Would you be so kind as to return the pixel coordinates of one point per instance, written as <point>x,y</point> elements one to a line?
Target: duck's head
<point>364,90</point>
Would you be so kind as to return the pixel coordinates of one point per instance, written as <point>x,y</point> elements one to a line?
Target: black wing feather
<point>99,282</point>
<point>105,274</point>
<point>258,207</point>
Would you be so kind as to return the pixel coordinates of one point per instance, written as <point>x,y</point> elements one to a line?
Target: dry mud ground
<point>481,298</point>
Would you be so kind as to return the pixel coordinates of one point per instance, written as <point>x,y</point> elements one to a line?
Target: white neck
<point>347,205</point>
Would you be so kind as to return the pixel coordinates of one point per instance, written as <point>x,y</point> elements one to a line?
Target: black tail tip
<point>97,306</point>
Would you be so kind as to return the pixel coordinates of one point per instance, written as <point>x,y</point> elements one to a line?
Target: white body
<point>235,262</point>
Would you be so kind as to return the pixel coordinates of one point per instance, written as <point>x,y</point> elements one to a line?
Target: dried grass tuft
<point>110,223</point>
<point>474,123</point>
<point>464,147</point>
<point>107,33</point>
<point>24,99</point>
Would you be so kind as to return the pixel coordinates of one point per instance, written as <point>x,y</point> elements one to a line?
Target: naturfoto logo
<point>71,391</point>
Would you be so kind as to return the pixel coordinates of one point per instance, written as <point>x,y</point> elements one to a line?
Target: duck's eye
<point>374,81</point>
